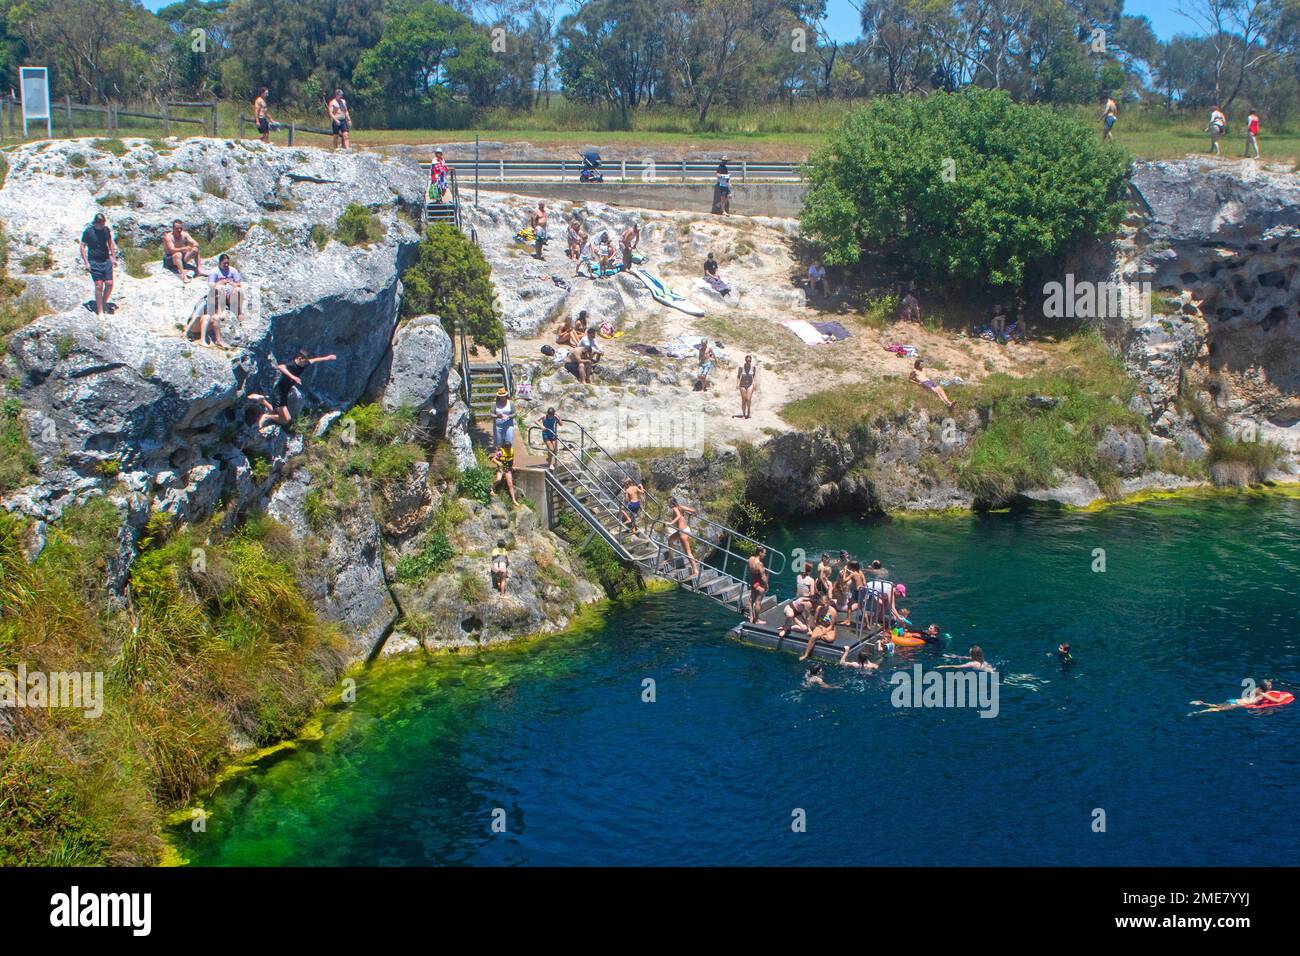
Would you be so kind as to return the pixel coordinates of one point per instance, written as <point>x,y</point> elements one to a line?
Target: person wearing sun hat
<point>439,177</point>
<point>503,419</point>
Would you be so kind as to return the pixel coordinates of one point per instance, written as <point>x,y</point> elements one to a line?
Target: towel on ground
<point>805,330</point>
<point>836,331</point>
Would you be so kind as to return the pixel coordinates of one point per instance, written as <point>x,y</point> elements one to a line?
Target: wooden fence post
<point>67,103</point>
<point>214,120</point>
<point>291,126</point>
<point>167,118</point>
<point>241,126</point>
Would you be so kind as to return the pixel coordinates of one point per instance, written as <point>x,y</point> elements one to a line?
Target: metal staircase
<point>444,212</point>
<point>590,481</point>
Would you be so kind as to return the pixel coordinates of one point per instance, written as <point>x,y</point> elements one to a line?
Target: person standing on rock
<point>503,419</point>
<point>1218,126</point>
<point>628,242</point>
<point>538,223</point>
<point>98,252</point>
<point>290,378</point>
<point>340,119</point>
<point>1252,135</point>
<point>707,357</point>
<point>261,115</point>
<point>504,459</point>
<point>746,380</point>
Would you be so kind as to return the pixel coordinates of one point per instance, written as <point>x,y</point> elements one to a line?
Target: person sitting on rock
<point>566,334</point>
<point>205,328</point>
<point>500,565</point>
<point>178,247</point>
<point>590,341</point>
<point>712,278</point>
<point>579,363</point>
<point>817,277</point>
<point>290,378</point>
<point>909,310</point>
<point>224,285</point>
<point>504,460</point>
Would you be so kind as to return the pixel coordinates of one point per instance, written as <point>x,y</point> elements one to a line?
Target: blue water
<point>1196,595</point>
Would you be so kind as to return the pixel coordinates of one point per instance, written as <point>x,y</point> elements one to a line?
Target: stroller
<point>591,168</point>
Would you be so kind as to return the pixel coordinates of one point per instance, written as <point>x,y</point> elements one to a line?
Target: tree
<point>451,279</point>
<point>1241,34</point>
<point>301,49</point>
<point>969,187</point>
<point>611,51</point>
<point>424,56</point>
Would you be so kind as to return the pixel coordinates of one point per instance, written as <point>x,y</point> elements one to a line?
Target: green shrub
<point>435,556</point>
<point>476,483</point>
<point>358,226</point>
<point>967,187</point>
<point>38,261</point>
<point>77,161</point>
<point>1236,462</point>
<point>452,279</point>
<point>214,187</point>
<point>114,146</point>
<point>137,259</point>
<point>320,236</point>
<point>18,463</point>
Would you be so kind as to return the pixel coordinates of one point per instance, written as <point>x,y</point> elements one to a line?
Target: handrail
<point>588,446</point>
<point>776,558</point>
<point>464,369</point>
<point>628,170</point>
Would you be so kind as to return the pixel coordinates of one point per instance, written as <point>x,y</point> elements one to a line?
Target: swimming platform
<point>764,633</point>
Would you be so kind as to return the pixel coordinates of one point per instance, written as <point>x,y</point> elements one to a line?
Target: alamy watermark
<point>38,690</point>
<point>977,689</point>
<point>1085,299</point>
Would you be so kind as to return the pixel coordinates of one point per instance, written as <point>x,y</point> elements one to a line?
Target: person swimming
<point>864,661</point>
<point>1063,655</point>
<point>813,677</point>
<point>976,662</point>
<point>1255,697</point>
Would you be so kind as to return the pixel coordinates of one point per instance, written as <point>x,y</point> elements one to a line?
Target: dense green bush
<point>357,226</point>
<point>966,186</point>
<point>452,279</point>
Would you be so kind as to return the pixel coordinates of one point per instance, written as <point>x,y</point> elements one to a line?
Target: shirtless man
<point>1264,690</point>
<point>261,116</point>
<point>681,532</point>
<point>917,377</point>
<point>178,246</point>
<point>340,119</point>
<point>628,242</point>
<point>632,494</point>
<point>758,582</point>
<point>538,223</point>
<point>707,356</point>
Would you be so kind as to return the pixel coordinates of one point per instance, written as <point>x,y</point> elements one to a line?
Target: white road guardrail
<point>622,171</point>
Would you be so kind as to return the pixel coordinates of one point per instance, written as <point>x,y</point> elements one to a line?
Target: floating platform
<point>764,634</point>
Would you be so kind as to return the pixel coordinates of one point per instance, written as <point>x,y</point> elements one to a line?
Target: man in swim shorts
<point>261,116</point>
<point>340,119</point>
<point>632,492</point>
<point>538,223</point>
<point>98,252</point>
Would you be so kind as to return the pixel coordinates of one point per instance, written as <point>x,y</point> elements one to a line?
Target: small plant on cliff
<point>114,146</point>
<point>18,464</point>
<point>435,556</point>
<point>476,483</point>
<point>452,279</point>
<point>358,226</point>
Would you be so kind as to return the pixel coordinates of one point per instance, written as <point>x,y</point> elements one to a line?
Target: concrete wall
<point>751,199</point>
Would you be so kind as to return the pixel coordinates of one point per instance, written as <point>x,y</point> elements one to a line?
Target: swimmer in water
<point>864,662</point>
<point>813,678</point>
<point>1264,690</point>
<point>931,635</point>
<point>1063,655</point>
<point>976,662</point>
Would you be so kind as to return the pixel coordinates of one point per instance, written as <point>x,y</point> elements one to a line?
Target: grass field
<point>778,132</point>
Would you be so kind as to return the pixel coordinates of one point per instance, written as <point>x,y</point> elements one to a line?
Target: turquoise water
<point>1196,595</point>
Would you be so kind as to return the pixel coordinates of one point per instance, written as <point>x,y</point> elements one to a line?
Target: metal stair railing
<point>591,469</point>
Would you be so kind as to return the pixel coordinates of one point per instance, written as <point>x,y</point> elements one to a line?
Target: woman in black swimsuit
<point>746,378</point>
<point>290,378</point>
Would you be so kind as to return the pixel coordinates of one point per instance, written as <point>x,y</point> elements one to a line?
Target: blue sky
<point>842,17</point>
